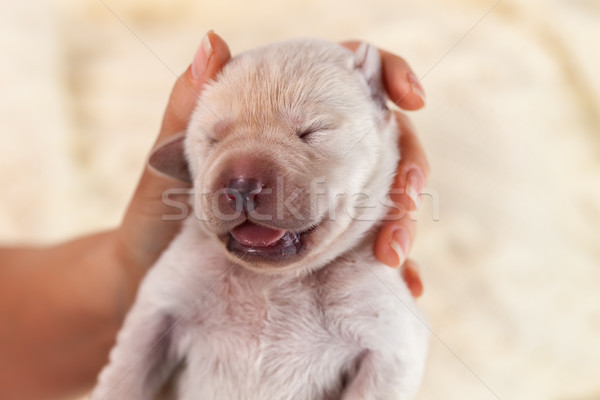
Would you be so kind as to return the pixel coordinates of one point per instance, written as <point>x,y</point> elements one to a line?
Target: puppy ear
<point>169,159</point>
<point>368,63</point>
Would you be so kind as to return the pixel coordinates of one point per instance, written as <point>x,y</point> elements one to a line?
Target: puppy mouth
<point>250,240</point>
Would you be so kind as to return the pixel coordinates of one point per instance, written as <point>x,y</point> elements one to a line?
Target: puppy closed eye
<point>306,134</point>
<point>219,130</point>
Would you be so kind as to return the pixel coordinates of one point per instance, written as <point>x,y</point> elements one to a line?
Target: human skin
<point>61,306</point>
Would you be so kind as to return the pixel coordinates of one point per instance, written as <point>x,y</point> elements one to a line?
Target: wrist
<point>128,266</point>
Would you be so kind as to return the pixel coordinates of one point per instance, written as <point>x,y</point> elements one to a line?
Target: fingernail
<point>201,57</point>
<point>415,86</point>
<point>414,185</point>
<point>400,243</point>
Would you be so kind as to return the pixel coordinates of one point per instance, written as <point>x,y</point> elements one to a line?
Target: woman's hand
<point>395,237</point>
<point>144,234</point>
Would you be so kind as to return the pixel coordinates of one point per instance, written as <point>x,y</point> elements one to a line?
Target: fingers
<point>401,83</point>
<point>210,57</point>
<point>144,234</point>
<point>412,154</point>
<point>396,235</point>
<point>410,274</point>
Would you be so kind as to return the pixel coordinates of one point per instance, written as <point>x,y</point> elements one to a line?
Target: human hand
<point>396,235</point>
<point>143,234</point>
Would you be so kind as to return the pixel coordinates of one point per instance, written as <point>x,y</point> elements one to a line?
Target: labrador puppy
<point>271,290</point>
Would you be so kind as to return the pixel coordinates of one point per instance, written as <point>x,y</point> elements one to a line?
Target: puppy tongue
<point>250,234</point>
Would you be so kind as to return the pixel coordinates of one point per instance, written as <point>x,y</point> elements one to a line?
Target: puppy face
<point>291,154</point>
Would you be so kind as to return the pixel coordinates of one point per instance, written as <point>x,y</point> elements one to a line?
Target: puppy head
<point>291,151</point>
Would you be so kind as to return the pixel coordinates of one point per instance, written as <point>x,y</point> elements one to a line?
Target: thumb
<point>144,234</point>
<point>210,57</point>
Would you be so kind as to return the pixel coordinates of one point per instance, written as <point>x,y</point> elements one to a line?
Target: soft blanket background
<point>512,124</point>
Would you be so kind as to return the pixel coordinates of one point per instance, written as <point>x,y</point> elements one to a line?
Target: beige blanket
<point>512,266</point>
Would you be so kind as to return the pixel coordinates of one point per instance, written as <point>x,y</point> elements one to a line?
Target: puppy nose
<point>243,192</point>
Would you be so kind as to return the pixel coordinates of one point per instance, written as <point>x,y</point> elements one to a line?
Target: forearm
<point>60,309</point>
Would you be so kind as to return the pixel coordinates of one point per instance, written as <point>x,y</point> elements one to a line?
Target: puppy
<point>271,290</point>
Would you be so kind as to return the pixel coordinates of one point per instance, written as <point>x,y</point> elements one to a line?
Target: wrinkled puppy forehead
<point>297,79</point>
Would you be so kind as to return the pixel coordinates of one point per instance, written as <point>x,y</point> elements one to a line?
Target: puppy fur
<point>328,322</point>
